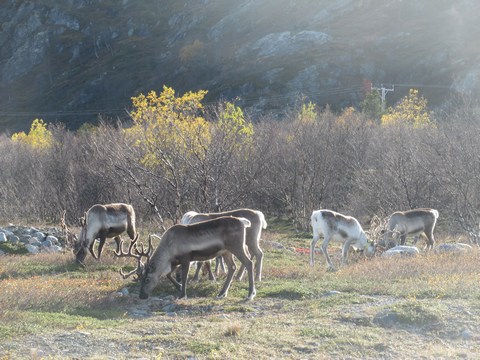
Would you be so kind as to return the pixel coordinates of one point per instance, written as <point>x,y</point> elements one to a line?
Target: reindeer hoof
<point>221,296</point>
<point>80,263</point>
<point>331,269</point>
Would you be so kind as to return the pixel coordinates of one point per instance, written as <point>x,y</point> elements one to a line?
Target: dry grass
<point>54,309</point>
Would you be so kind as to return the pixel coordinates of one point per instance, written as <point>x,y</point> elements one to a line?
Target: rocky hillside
<point>71,60</point>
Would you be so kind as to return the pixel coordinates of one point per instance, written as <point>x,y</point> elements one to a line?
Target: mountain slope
<point>73,60</point>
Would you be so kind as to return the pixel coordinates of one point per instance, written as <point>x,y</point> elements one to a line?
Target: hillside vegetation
<point>71,61</point>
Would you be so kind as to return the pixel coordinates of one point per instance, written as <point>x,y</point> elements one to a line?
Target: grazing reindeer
<point>337,227</point>
<point>103,221</point>
<point>205,240</point>
<point>257,220</point>
<point>412,222</point>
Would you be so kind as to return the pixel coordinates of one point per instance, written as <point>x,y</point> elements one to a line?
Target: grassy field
<point>409,308</point>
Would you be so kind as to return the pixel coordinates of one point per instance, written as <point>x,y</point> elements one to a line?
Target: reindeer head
<point>378,235</point>
<point>72,241</point>
<point>80,249</point>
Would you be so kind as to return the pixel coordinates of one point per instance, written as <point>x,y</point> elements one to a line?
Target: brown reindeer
<point>102,222</point>
<point>412,222</point>
<point>257,220</point>
<point>181,244</point>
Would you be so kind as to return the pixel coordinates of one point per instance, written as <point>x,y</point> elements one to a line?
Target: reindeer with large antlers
<point>103,221</point>
<point>202,241</point>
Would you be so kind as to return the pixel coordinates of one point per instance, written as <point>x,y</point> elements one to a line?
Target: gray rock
<point>7,233</point>
<point>401,251</point>
<point>32,249</point>
<point>56,248</point>
<point>47,243</point>
<point>52,239</point>
<point>34,241</point>
<point>169,308</point>
<point>25,239</point>
<point>385,318</point>
<point>453,248</point>
<point>124,292</point>
<point>14,239</point>
<point>39,235</point>
<point>466,335</point>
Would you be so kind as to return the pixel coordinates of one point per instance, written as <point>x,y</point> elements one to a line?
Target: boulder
<point>401,251</point>
<point>39,235</point>
<point>453,248</point>
<point>32,249</point>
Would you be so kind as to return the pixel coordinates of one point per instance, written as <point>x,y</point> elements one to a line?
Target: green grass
<point>10,248</point>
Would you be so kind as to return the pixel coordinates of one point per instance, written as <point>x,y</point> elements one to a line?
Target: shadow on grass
<point>291,294</point>
<point>23,269</point>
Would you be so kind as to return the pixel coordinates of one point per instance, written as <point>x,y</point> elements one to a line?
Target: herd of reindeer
<point>202,237</point>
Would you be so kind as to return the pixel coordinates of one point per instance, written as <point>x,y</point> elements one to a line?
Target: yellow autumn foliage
<point>412,109</point>
<point>308,113</point>
<point>39,137</point>
<point>232,120</point>
<point>166,123</point>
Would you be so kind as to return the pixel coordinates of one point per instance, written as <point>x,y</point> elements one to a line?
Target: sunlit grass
<point>299,311</point>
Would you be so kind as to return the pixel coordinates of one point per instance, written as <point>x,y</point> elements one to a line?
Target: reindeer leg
<point>326,240</point>
<point>228,257</point>
<point>248,264</point>
<point>198,267</point>
<point>185,265</point>
<point>174,282</point>
<point>345,250</point>
<point>430,239</point>
<point>219,264</point>
<point>91,249</point>
<point>316,237</point>
<point>208,265</point>
<point>259,264</point>
<point>100,246</point>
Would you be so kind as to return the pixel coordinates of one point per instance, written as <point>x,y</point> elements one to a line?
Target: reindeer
<point>103,221</point>
<point>412,222</point>
<point>337,227</point>
<point>205,240</point>
<point>253,233</point>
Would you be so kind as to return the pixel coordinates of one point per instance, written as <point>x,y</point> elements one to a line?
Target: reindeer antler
<point>134,252</point>
<point>70,238</point>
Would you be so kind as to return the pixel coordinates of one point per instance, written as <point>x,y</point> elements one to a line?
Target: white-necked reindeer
<point>103,221</point>
<point>337,227</point>
<point>412,222</point>
<point>257,220</point>
<point>181,244</point>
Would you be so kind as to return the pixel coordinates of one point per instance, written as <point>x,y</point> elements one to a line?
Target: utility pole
<point>383,93</point>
